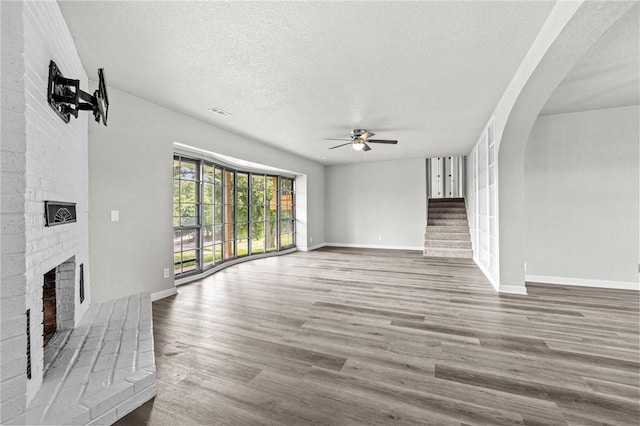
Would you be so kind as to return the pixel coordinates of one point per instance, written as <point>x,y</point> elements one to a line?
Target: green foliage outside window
<point>223,208</point>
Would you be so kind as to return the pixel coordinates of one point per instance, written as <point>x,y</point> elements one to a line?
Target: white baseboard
<point>375,246</point>
<point>513,289</point>
<point>163,293</point>
<point>486,274</point>
<point>582,282</point>
<point>316,247</point>
<point>509,289</point>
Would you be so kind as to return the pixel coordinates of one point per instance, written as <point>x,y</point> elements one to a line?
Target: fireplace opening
<point>58,301</point>
<point>50,317</point>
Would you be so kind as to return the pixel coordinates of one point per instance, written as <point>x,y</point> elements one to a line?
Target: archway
<point>571,29</point>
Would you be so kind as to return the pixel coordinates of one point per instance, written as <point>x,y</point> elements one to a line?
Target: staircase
<point>447,232</point>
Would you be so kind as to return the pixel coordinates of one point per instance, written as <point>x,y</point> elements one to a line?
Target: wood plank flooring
<point>343,336</point>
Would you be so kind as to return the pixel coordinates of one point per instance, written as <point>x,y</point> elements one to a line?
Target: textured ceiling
<point>609,74</point>
<point>292,73</point>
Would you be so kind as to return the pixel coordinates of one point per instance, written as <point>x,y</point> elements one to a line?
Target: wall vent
<point>58,213</point>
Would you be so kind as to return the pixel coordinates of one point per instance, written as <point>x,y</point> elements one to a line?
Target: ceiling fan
<point>359,140</point>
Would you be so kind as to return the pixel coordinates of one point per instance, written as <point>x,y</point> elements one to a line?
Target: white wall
<point>131,171</point>
<point>368,200</point>
<point>581,196</point>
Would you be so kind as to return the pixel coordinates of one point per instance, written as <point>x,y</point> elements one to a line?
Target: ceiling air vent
<point>220,112</point>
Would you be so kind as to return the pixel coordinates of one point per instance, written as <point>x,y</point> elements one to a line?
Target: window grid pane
<point>186,215</point>
<point>221,214</point>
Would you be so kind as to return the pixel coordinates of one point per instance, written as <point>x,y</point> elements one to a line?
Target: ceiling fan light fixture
<point>358,146</point>
<point>360,140</point>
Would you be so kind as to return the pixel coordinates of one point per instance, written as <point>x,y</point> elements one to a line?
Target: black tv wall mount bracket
<point>66,98</point>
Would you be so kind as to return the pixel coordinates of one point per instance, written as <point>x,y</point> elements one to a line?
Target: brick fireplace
<point>64,360</point>
<point>43,159</point>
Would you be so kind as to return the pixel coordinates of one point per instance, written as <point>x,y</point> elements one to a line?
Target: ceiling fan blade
<point>366,147</point>
<point>382,141</point>
<point>337,139</point>
<point>338,146</point>
<point>366,135</point>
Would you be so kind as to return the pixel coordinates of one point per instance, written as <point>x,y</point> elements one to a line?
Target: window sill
<point>195,277</point>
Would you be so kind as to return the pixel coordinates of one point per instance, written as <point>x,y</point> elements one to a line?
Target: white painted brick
<point>12,387</point>
<point>12,307</point>
<point>142,380</point>
<point>122,373</point>
<point>12,202</point>
<point>106,419</point>
<point>12,222</point>
<point>13,347</point>
<point>13,88</point>
<point>12,243</point>
<point>99,380</point>
<point>66,414</point>
<point>150,369</point>
<point>13,134</point>
<point>12,408</point>
<point>105,362</point>
<point>11,368</point>
<point>110,398</point>
<point>146,359</point>
<point>14,327</point>
<point>98,330</point>
<point>81,416</point>
<point>86,359</point>
<point>12,162</point>
<point>48,159</point>
<point>13,101</point>
<point>12,276</point>
<point>17,420</point>
<point>135,401</point>
<point>12,287</point>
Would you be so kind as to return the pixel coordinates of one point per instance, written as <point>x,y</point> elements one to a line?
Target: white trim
<point>163,293</point>
<point>191,278</point>
<point>582,282</point>
<point>486,273</point>
<point>375,246</point>
<point>513,289</point>
<point>316,247</point>
<point>228,161</point>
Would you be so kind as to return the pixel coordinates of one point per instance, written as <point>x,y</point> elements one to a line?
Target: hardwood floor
<point>349,336</point>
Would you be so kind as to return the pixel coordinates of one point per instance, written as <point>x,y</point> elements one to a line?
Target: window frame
<point>232,225</point>
<point>197,227</point>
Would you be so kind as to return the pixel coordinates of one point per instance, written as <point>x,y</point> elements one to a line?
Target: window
<point>220,214</point>
<point>287,217</point>
<point>186,215</point>
<point>271,213</point>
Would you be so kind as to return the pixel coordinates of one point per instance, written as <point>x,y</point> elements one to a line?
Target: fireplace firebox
<point>50,319</point>
<point>58,300</point>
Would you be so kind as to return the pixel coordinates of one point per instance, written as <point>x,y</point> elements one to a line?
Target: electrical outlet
<point>525,266</point>
<point>310,239</point>
<point>166,272</point>
<point>115,215</point>
<point>379,237</point>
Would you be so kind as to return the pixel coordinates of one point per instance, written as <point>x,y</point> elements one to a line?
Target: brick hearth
<point>103,369</point>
